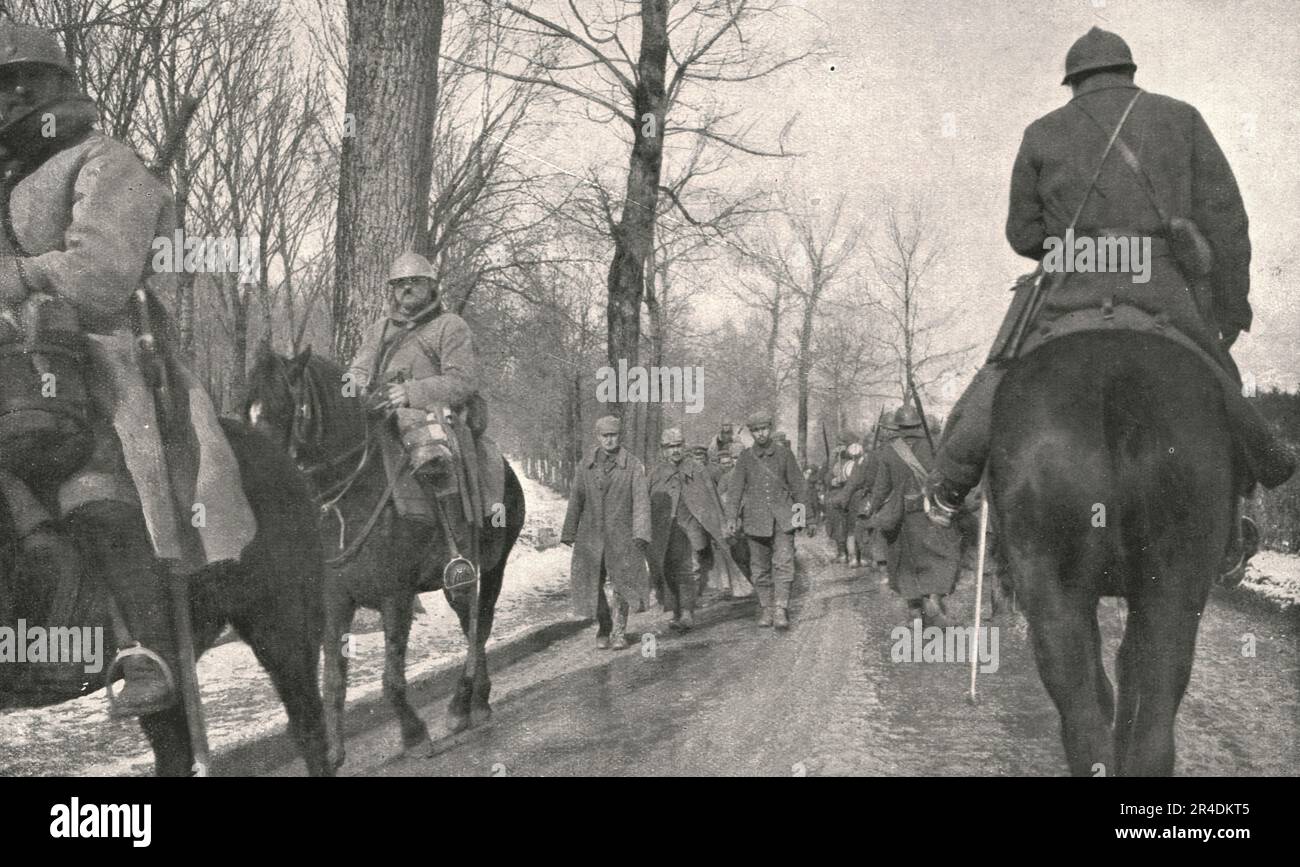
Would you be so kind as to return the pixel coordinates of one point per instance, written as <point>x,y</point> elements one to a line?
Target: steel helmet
<point>21,43</point>
<point>410,264</point>
<point>1097,49</point>
<point>904,417</point>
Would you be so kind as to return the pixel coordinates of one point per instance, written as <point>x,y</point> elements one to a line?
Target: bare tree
<point>386,161</point>
<point>902,263</point>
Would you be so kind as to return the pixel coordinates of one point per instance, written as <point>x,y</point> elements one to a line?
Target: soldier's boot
<point>618,637</point>
<point>882,571</point>
<point>780,619</point>
<point>915,611</point>
<point>116,541</point>
<point>964,449</point>
<point>690,588</point>
<point>1269,459</point>
<point>781,602</point>
<point>935,612</point>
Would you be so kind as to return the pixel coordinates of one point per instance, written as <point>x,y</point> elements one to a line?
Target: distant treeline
<point>1278,511</point>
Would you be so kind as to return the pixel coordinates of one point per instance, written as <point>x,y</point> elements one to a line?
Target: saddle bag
<point>45,427</point>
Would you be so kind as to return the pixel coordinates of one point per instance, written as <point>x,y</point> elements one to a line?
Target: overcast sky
<point>873,122</point>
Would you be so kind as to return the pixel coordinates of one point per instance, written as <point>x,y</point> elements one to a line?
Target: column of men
<point>882,500</point>
<point>733,516</point>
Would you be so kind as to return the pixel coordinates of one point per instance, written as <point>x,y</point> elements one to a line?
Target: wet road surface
<point>826,698</point>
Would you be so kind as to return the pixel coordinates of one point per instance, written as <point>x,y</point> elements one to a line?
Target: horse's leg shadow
<point>396,610</point>
<point>287,644</point>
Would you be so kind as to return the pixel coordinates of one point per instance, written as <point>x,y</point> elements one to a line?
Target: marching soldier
<point>766,491</point>
<point>855,496</point>
<point>1180,163</point>
<point>837,517</point>
<point>686,515</point>
<point>924,558</point>
<point>737,544</point>
<point>608,527</point>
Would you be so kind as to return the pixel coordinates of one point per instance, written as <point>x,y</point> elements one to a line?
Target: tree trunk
<point>805,368</point>
<point>386,164</point>
<point>633,236</point>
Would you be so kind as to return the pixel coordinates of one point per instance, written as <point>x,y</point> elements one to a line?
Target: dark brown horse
<point>1113,473</point>
<point>302,403</point>
<point>271,597</point>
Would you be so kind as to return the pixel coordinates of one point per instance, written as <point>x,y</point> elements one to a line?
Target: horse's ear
<point>299,363</point>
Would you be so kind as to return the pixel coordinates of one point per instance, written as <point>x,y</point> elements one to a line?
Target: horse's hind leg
<point>1155,668</point>
<point>170,738</point>
<point>292,662</point>
<point>1105,692</point>
<point>1063,627</point>
<point>397,610</point>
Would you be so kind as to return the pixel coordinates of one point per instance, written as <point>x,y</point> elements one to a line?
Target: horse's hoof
<point>420,749</point>
<point>480,715</point>
<point>457,722</point>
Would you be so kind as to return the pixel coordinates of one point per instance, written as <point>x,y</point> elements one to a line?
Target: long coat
<point>1190,175</point>
<point>86,220</point>
<point>434,356</point>
<point>605,516</point>
<point>704,501</point>
<point>764,490</point>
<point>924,559</point>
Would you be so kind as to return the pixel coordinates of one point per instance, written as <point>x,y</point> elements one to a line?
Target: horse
<point>271,596</point>
<point>1113,473</point>
<point>301,402</point>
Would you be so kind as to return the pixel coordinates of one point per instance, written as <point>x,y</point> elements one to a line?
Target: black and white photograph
<point>650,388</point>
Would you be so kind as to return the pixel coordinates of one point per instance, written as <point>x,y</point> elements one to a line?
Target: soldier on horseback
<point>125,447</point>
<point>418,364</point>
<point>1180,194</point>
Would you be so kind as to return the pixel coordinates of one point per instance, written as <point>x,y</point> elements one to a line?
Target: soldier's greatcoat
<point>86,220</point>
<point>1189,175</point>
<point>924,558</point>
<point>608,511</point>
<point>764,489</point>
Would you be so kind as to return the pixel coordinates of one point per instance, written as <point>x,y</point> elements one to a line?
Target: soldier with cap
<point>686,516</point>
<point>83,217</point>
<point>608,526</point>
<point>838,521</point>
<point>1169,182</point>
<point>766,500</point>
<point>924,558</point>
<point>853,499</point>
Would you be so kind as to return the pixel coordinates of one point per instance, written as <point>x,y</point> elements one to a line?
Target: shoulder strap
<point>1114,136</point>
<point>1135,166</point>
<point>904,451</point>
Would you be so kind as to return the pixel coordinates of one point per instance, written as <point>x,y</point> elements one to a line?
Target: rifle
<point>826,443</point>
<point>916,400</point>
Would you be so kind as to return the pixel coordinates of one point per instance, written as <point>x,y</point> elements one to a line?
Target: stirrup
<point>459,572</point>
<point>135,649</point>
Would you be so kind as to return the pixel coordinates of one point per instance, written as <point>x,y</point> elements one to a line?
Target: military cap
<point>671,436</point>
<point>1097,49</point>
<point>844,438</point>
<point>21,43</point>
<point>610,424</point>
<point>700,450</point>
<point>760,418</point>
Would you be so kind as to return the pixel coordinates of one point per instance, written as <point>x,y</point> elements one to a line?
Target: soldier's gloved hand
<point>397,395</point>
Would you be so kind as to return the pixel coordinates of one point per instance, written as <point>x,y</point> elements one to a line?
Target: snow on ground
<point>1276,577</point>
<point>77,738</point>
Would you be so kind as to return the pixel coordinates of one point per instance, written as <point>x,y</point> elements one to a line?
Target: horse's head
<point>299,403</point>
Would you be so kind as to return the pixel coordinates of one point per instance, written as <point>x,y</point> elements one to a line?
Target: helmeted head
<point>673,444</point>
<point>412,283</point>
<point>1096,50</point>
<point>905,418</point>
<point>34,71</point>
<point>609,429</point>
<point>760,425</point>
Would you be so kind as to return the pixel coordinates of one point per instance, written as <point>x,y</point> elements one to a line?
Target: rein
<point>307,409</point>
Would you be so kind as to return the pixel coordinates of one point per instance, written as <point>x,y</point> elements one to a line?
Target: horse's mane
<point>322,381</point>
